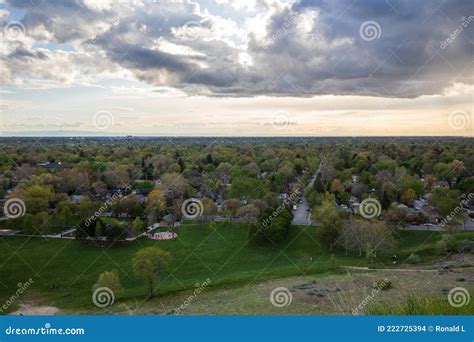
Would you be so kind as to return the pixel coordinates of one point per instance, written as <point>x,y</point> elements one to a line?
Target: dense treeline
<point>64,181</point>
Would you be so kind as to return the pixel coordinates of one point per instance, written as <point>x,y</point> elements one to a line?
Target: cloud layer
<point>276,48</point>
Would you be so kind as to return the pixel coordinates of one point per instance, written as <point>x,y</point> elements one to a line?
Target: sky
<point>237,68</point>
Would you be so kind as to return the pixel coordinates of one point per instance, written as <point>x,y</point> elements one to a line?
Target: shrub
<point>111,280</point>
<point>272,228</point>
<point>413,259</point>
<point>441,247</point>
<point>382,284</point>
<point>420,305</point>
<point>465,246</point>
<point>451,242</point>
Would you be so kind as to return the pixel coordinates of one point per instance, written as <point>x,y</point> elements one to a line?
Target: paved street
<point>301,215</point>
<point>469,226</point>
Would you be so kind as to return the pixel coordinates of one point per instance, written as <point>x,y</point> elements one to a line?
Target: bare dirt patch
<point>35,310</point>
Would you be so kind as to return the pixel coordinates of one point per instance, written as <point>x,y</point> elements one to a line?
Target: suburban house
<point>168,221</point>
<point>51,166</point>
<point>442,184</point>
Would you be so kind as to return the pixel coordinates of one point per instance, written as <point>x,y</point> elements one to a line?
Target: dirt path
<point>388,269</point>
<point>33,310</point>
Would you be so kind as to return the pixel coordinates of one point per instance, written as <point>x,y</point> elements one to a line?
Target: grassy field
<point>415,290</point>
<point>64,271</point>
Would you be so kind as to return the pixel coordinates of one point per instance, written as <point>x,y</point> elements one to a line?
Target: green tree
<point>28,224</point>
<point>248,211</point>
<point>36,197</point>
<point>359,234</point>
<point>65,216</point>
<point>230,207</point>
<point>385,202</point>
<point>467,185</point>
<point>41,221</point>
<point>243,186</point>
<point>409,196</point>
<point>138,225</point>
<point>445,200</point>
<point>318,184</point>
<point>272,228</point>
<point>99,229</point>
<point>114,230</point>
<point>328,216</point>
<point>148,263</point>
<point>111,280</point>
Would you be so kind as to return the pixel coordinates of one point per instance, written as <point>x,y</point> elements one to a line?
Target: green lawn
<point>64,271</point>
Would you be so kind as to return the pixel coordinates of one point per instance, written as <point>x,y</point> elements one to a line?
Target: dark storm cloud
<point>407,53</point>
<point>22,53</point>
<point>312,47</point>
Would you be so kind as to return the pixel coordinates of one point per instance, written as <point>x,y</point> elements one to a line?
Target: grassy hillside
<point>64,271</point>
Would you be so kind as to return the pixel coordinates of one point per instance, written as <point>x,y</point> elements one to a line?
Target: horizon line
<point>234,136</point>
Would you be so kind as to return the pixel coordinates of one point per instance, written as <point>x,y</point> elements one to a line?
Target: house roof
<point>431,211</point>
<point>49,165</point>
<point>168,218</point>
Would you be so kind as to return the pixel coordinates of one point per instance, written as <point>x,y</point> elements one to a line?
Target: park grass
<point>64,271</point>
<point>421,306</point>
